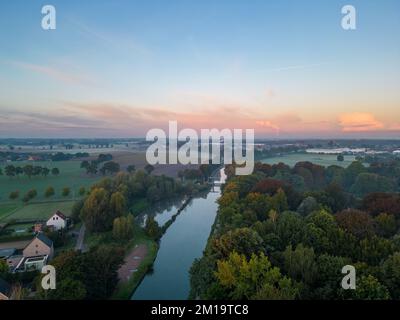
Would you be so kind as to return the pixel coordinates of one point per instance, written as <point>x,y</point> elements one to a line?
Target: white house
<point>58,221</point>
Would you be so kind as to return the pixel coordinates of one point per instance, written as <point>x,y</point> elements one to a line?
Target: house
<point>35,158</point>
<point>5,290</point>
<point>57,221</point>
<point>39,246</point>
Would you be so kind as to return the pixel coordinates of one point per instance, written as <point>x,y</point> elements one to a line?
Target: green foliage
<point>3,268</point>
<point>391,274</point>
<point>369,288</point>
<point>89,275</point>
<point>49,192</point>
<point>152,228</point>
<point>332,228</point>
<point>65,192</point>
<point>253,279</point>
<point>123,228</point>
<point>14,195</point>
<point>82,191</point>
<point>101,208</point>
<point>30,195</point>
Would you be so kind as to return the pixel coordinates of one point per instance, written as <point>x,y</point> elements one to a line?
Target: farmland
<point>39,211</point>
<point>71,176</point>
<point>320,159</point>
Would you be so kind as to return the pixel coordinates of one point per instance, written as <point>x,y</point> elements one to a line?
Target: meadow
<point>71,176</point>
<point>320,159</point>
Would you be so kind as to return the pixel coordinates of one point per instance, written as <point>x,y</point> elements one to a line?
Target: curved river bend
<point>184,241</point>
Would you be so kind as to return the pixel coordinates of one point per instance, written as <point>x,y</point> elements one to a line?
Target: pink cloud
<point>359,122</point>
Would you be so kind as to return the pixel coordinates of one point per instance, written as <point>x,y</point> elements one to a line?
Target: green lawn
<point>41,211</point>
<point>6,209</point>
<point>71,175</point>
<point>320,159</point>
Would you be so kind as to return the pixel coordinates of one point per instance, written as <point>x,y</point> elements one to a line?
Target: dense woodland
<point>286,233</point>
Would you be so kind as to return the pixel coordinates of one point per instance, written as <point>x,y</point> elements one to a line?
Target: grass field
<point>71,175</point>
<point>40,211</point>
<point>320,159</point>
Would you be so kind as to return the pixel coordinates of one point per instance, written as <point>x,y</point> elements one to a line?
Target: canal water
<point>183,242</point>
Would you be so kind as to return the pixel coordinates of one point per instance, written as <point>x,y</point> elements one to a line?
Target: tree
<point>85,164</point>
<point>253,279</point>
<point>19,171</point>
<point>37,170</point>
<point>3,268</point>
<point>369,182</point>
<point>55,171</point>
<point>30,195</point>
<point>49,192</point>
<point>243,241</point>
<point>358,223</point>
<point>45,172</point>
<point>369,288</point>
<point>1,172</point>
<point>131,168</point>
<point>68,289</point>
<point>92,168</point>
<point>340,158</point>
<point>152,228</point>
<point>391,274</point>
<point>117,204</point>
<point>65,192</point>
<point>351,173</point>
<point>96,211</point>
<point>76,210</point>
<point>376,203</point>
<point>14,195</point>
<point>9,171</point>
<point>123,228</point>
<point>110,167</point>
<point>300,264</point>
<point>82,191</point>
<point>307,206</point>
<point>28,170</point>
<point>149,168</point>
<point>385,225</point>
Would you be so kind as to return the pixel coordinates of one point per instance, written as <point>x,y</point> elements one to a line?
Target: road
<point>80,246</point>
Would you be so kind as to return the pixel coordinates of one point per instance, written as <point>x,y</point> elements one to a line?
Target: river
<point>183,242</point>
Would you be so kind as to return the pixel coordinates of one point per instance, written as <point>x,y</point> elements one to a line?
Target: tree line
<point>276,238</point>
<point>29,171</point>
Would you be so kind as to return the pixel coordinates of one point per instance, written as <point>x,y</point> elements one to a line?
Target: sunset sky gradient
<point>118,68</point>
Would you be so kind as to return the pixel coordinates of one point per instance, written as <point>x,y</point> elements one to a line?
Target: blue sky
<point>118,68</point>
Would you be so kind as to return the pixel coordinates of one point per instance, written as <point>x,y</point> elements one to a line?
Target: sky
<point>286,69</point>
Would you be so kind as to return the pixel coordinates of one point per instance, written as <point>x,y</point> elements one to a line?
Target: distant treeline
<point>23,156</point>
<point>29,171</point>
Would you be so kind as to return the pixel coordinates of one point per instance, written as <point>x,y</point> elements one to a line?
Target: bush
<point>14,195</point>
<point>66,191</point>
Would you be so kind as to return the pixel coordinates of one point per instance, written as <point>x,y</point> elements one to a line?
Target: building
<point>5,290</point>
<point>35,263</point>
<point>57,221</point>
<point>39,246</point>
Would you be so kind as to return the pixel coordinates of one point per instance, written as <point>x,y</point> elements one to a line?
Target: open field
<point>71,175</point>
<point>40,211</point>
<point>320,159</point>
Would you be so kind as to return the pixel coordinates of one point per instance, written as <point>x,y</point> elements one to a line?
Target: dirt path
<point>81,237</point>
<point>132,262</point>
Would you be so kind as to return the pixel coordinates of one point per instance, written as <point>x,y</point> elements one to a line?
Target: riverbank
<point>183,242</point>
<point>126,287</point>
<point>140,259</point>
